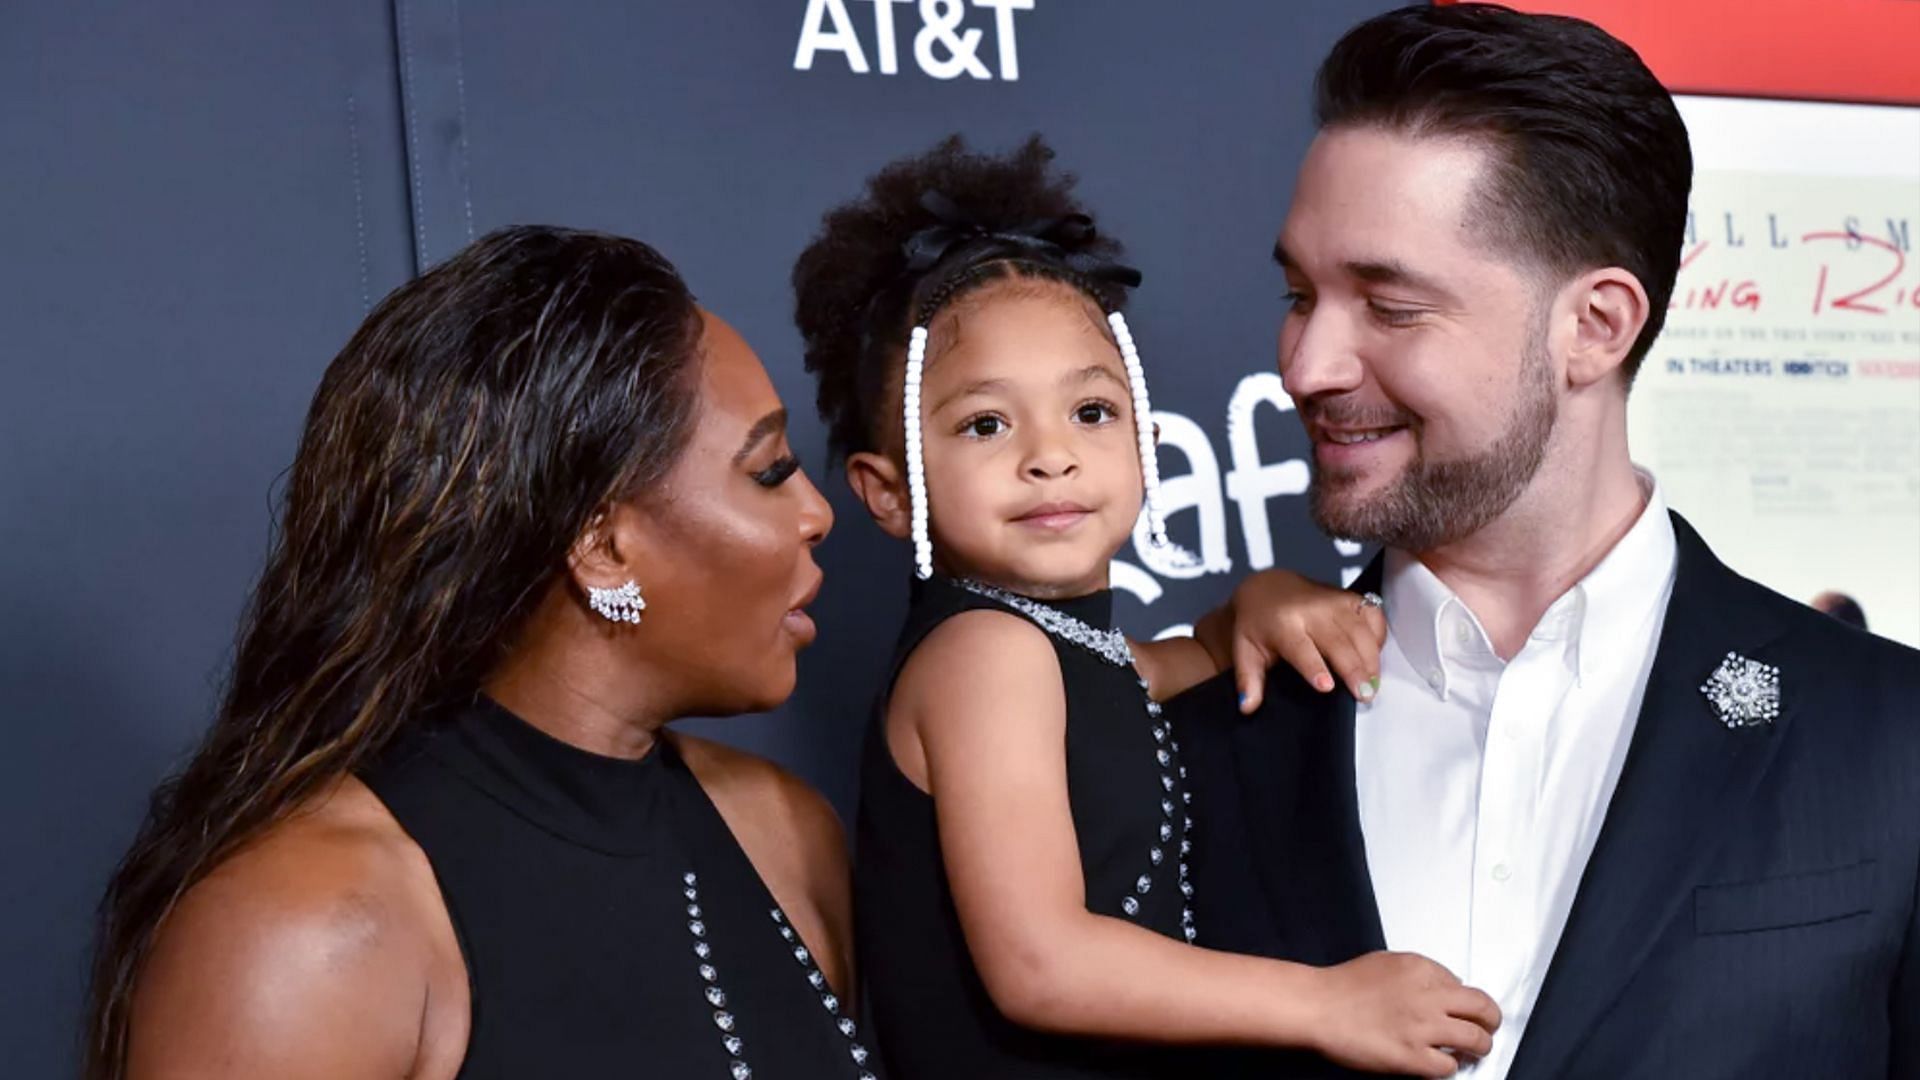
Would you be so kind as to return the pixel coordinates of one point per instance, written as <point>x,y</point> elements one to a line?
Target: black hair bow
<point>1048,239</point>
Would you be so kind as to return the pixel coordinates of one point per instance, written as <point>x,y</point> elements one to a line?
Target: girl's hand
<point>1401,1013</point>
<point>1279,615</point>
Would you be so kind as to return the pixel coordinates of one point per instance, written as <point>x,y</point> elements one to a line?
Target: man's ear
<point>879,484</point>
<point>1608,309</point>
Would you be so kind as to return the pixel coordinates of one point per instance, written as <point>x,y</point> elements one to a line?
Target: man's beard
<point>1432,504</point>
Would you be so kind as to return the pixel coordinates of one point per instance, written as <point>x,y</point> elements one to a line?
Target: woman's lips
<point>800,625</point>
<point>796,621</point>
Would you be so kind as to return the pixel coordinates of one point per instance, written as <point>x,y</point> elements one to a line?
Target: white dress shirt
<point>1483,783</point>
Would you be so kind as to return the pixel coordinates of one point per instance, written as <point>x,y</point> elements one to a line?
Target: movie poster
<point>1780,408</point>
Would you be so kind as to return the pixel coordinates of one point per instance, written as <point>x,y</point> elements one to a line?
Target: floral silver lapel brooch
<point>1746,693</point>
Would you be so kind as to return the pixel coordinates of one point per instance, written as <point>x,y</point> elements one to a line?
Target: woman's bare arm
<point>319,950</point>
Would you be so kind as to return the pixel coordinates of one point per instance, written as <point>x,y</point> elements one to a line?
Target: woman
<point>543,506</point>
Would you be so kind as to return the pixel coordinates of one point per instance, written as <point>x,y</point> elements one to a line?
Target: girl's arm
<point>979,714</point>
<point>1273,615</point>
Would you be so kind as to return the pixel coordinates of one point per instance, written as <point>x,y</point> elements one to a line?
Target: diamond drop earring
<point>623,604</point>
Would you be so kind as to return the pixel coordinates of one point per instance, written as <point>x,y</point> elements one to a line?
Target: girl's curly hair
<point>858,292</point>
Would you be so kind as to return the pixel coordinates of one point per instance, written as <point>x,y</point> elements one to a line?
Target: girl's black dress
<point>1128,795</point>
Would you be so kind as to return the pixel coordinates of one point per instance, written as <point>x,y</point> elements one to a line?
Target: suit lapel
<point>1682,791</point>
<point>1296,771</point>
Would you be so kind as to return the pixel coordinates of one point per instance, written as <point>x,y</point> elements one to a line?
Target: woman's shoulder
<point>337,872</point>
<point>328,924</point>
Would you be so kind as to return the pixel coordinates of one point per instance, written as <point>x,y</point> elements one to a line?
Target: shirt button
<point>1500,872</point>
<point>1435,678</point>
<point>1462,635</point>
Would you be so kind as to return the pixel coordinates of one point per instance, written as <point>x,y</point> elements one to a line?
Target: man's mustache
<point>1341,412</point>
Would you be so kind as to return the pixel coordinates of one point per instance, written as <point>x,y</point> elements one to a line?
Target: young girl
<point>1023,908</point>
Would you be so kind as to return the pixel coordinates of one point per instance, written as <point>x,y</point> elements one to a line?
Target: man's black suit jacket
<point>1749,911</point>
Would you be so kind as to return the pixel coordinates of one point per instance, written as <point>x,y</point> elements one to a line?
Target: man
<point>1668,819</point>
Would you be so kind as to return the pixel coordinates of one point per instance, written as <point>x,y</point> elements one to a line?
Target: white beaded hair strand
<point>1143,428</point>
<point>916,468</point>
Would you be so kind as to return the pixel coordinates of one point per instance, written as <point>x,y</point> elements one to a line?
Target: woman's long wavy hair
<point>466,436</point>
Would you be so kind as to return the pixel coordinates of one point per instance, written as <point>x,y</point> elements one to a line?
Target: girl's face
<point>1031,456</point>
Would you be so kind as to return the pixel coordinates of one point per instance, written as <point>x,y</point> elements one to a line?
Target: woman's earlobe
<point>879,484</point>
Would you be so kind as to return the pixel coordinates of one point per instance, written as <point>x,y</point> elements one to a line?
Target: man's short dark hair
<point>1592,162</point>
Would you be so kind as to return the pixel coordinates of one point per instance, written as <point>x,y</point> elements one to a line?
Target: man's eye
<point>1295,300</point>
<point>1392,316</point>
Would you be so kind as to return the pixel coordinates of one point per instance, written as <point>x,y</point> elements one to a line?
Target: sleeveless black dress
<point>1128,796</point>
<point>610,923</point>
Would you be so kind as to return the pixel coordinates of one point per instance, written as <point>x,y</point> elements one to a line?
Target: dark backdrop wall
<point>198,203</point>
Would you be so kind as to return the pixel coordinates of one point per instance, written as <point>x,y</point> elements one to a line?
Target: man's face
<point>1415,350</point>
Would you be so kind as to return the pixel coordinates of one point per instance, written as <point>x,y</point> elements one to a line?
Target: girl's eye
<point>1095,412</point>
<point>777,473</point>
<point>984,426</point>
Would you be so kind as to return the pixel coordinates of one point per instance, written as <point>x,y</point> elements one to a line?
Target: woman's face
<point>728,538</point>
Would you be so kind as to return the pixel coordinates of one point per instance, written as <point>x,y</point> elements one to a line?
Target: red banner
<point>1833,50</point>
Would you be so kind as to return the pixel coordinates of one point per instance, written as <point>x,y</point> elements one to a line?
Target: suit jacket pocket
<point>1776,903</point>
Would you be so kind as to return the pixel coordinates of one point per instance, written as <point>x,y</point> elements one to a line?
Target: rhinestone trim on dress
<point>1111,646</point>
<point>1108,645</point>
<point>737,1066</point>
<point>818,980</point>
